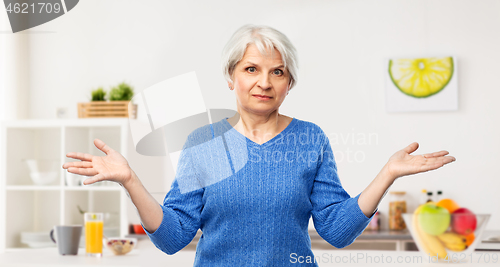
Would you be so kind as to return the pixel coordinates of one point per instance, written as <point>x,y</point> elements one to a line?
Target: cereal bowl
<point>120,246</point>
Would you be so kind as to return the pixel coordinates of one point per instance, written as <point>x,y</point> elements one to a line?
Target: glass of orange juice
<point>93,234</point>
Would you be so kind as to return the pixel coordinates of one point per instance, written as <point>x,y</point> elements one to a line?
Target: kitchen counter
<point>146,254</point>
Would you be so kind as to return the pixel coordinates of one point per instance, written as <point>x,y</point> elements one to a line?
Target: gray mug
<point>68,238</point>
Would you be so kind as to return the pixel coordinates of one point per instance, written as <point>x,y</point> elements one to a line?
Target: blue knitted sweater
<point>253,202</point>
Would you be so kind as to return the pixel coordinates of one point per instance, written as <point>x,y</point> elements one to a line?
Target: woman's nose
<point>264,81</point>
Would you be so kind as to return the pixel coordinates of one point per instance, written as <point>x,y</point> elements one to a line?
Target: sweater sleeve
<point>337,216</point>
<point>181,207</point>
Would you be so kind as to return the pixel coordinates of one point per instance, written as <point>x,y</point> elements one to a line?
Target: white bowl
<point>43,171</point>
<point>43,178</point>
<point>33,244</point>
<point>35,236</point>
<point>37,239</point>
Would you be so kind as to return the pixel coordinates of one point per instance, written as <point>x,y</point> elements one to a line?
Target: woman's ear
<point>230,85</point>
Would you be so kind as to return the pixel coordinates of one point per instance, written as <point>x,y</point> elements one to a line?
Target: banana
<point>430,244</point>
<point>456,247</point>
<point>416,230</point>
<point>453,241</point>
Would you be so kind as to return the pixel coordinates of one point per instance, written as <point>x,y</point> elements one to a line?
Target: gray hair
<point>264,38</point>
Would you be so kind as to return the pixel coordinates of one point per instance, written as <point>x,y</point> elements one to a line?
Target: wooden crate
<point>105,109</point>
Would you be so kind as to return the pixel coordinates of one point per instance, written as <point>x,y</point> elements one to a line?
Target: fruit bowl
<point>447,238</point>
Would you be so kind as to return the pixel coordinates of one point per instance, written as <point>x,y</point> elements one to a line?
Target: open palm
<point>112,167</point>
<point>402,163</point>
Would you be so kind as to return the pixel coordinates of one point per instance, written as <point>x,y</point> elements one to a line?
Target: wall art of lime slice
<point>421,77</point>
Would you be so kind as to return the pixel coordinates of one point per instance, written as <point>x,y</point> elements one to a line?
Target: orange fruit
<point>469,239</point>
<point>448,204</point>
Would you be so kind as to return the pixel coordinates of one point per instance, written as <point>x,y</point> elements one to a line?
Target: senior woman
<point>256,212</point>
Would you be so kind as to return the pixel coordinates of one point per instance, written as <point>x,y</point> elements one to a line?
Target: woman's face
<point>256,75</point>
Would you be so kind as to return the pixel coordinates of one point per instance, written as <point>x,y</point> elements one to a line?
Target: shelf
<point>92,188</point>
<point>27,207</point>
<point>65,122</point>
<point>33,187</point>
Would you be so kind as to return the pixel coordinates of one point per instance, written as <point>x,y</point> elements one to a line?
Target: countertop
<point>145,254</point>
<point>377,235</point>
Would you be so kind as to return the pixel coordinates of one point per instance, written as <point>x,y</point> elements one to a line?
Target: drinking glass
<point>93,234</point>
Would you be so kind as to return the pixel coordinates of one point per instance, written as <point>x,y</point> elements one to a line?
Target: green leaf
<point>121,92</point>
<point>98,94</point>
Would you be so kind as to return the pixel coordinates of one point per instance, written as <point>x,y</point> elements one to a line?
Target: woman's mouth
<point>262,97</point>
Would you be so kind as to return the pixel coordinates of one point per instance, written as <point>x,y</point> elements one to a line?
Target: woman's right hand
<point>112,167</point>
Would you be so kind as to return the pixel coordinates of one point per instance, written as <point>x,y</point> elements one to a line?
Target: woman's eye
<point>251,69</point>
<point>278,72</point>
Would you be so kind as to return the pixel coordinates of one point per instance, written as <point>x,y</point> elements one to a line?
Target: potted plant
<point>98,94</point>
<point>121,92</point>
<point>118,104</point>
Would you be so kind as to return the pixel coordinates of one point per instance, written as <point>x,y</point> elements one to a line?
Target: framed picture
<point>421,84</point>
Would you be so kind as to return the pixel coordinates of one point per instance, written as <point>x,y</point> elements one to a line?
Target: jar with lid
<point>397,206</point>
<point>430,197</point>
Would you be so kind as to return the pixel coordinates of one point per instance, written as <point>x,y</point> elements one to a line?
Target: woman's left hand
<point>402,163</point>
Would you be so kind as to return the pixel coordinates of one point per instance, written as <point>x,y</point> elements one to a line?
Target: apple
<point>463,221</point>
<point>434,219</point>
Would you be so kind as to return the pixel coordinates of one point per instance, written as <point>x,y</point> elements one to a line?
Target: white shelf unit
<point>26,207</point>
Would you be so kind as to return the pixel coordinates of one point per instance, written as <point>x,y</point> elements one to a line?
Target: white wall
<point>14,71</point>
<point>3,66</point>
<point>342,46</point>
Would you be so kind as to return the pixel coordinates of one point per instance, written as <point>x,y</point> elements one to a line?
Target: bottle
<point>439,195</point>
<point>397,206</point>
<point>430,198</point>
<point>423,196</point>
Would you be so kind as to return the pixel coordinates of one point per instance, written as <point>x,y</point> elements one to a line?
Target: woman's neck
<point>259,128</point>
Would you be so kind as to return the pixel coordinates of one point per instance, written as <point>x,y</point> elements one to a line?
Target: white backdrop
<point>3,53</point>
<point>342,48</point>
